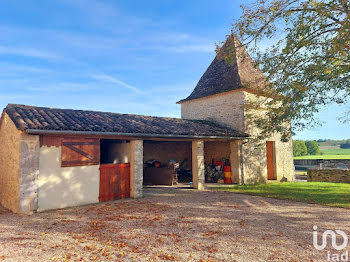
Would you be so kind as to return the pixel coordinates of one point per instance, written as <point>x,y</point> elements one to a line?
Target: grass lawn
<point>324,157</point>
<point>335,153</point>
<point>330,194</point>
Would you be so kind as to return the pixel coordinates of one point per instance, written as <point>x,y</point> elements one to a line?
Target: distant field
<point>324,157</point>
<point>331,143</point>
<point>338,151</point>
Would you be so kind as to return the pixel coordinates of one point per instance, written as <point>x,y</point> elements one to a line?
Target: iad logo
<point>332,257</point>
<point>334,239</point>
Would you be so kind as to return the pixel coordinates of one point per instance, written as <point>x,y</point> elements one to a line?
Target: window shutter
<point>80,152</point>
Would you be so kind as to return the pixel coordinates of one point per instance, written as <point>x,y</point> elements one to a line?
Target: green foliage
<point>299,148</point>
<point>308,66</point>
<point>312,148</point>
<point>330,194</point>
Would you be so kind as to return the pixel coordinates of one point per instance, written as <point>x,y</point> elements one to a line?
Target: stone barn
<point>55,158</point>
<point>220,96</point>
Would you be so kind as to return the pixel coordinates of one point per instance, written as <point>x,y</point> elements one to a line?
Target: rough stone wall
<point>164,151</point>
<point>225,109</point>
<point>10,139</point>
<point>29,171</point>
<point>228,109</point>
<point>328,175</point>
<point>284,159</point>
<point>136,169</point>
<point>324,163</point>
<point>235,161</point>
<point>254,152</point>
<point>198,169</point>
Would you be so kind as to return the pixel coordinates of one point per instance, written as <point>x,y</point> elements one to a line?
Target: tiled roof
<point>42,118</point>
<point>231,69</point>
<point>220,77</point>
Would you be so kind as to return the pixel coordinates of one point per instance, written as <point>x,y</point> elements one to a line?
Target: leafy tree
<point>307,64</point>
<point>299,148</point>
<point>312,148</point>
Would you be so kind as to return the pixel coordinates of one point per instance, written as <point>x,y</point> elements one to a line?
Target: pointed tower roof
<point>231,69</point>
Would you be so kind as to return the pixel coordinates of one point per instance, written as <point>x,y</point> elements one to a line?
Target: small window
<point>80,152</point>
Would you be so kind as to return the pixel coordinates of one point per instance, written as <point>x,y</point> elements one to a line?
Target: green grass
<point>337,151</point>
<point>324,157</point>
<point>330,194</point>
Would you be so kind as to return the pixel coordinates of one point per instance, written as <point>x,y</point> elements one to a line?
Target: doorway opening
<point>114,169</point>
<point>167,163</point>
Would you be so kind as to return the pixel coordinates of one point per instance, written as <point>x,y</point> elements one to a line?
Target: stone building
<point>55,158</point>
<point>220,96</point>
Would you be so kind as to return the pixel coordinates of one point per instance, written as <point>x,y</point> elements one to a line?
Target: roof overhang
<point>133,135</point>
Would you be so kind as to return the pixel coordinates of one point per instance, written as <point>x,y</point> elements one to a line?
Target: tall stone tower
<point>220,96</point>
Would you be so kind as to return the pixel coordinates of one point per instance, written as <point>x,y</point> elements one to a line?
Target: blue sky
<point>121,56</point>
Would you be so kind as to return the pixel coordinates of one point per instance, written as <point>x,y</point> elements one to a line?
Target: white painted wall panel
<point>60,187</point>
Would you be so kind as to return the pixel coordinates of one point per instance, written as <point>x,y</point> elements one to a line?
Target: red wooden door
<point>270,159</point>
<point>114,182</point>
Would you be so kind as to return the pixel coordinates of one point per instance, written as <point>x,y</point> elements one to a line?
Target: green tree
<point>312,148</point>
<point>299,148</point>
<point>308,59</point>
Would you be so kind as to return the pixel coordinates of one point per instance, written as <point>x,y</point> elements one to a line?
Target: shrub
<point>299,148</point>
<point>312,148</point>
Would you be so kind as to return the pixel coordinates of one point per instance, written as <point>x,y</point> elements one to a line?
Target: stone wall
<point>254,152</point>
<point>136,169</point>
<point>9,164</point>
<point>225,109</point>
<point>198,169</point>
<point>235,161</point>
<point>29,171</point>
<point>328,175</point>
<point>324,163</point>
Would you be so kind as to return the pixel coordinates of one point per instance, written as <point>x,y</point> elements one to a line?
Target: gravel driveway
<point>172,225</point>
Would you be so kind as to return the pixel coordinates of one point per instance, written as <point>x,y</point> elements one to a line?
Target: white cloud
<point>95,9</point>
<point>61,86</point>
<point>204,48</point>
<point>29,52</point>
<point>110,79</point>
<point>7,68</point>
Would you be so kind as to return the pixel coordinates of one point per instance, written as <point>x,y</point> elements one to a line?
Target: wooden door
<point>270,159</point>
<point>114,182</point>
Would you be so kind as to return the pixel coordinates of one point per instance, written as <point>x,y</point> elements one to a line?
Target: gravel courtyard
<point>172,225</point>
